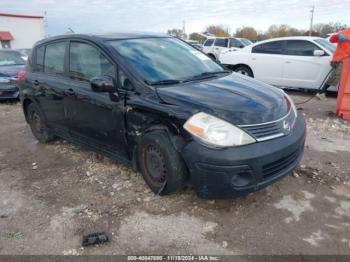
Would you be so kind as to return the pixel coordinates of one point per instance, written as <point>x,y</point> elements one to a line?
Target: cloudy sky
<point>159,15</point>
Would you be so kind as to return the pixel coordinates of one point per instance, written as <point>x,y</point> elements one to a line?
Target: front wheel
<point>244,70</point>
<point>160,164</point>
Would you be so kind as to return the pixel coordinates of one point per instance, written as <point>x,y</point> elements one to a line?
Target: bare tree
<point>176,33</point>
<point>332,27</point>
<point>218,30</point>
<point>197,37</point>
<point>247,32</point>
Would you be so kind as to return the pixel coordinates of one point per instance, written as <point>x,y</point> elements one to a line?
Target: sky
<point>99,16</point>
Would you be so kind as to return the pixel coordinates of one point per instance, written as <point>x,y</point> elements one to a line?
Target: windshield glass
<point>8,58</point>
<point>325,44</point>
<point>159,59</point>
<point>246,42</point>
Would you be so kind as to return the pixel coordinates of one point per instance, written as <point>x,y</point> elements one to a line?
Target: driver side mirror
<point>102,84</point>
<point>319,53</point>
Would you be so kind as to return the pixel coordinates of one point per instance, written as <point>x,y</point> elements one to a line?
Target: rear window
<point>54,58</point>
<point>221,42</point>
<point>39,58</point>
<point>209,42</point>
<point>274,47</point>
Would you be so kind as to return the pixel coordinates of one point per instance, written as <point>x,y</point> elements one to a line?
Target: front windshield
<point>8,58</point>
<point>325,44</point>
<point>246,42</point>
<point>159,59</point>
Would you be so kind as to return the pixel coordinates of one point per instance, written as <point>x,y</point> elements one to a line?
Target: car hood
<point>10,71</point>
<point>235,98</point>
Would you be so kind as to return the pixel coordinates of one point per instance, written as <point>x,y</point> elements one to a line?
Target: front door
<point>98,117</point>
<point>301,68</point>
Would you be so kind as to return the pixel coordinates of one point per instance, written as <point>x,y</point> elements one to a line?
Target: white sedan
<point>297,62</point>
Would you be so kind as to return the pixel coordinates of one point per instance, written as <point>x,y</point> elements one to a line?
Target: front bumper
<point>9,92</point>
<point>231,172</point>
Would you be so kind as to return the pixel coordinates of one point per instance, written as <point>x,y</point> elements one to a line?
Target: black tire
<point>161,166</point>
<point>212,56</point>
<point>244,70</point>
<point>37,124</point>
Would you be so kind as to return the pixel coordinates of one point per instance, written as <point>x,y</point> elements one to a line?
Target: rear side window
<point>235,43</point>
<point>300,48</point>
<point>86,61</point>
<point>39,58</point>
<point>274,47</point>
<point>221,42</point>
<point>54,58</point>
<point>209,42</point>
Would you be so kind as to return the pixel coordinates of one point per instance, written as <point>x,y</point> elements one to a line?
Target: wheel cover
<point>155,165</point>
<point>243,72</point>
<point>36,122</point>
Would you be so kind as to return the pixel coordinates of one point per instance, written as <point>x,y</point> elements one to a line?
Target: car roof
<point>104,37</point>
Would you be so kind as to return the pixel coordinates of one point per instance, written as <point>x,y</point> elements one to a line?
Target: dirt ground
<point>51,195</point>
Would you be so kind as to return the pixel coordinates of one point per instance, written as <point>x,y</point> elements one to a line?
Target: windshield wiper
<point>164,82</point>
<point>207,75</point>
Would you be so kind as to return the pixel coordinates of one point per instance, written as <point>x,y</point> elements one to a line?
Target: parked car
<point>213,47</point>
<point>298,62</point>
<point>11,63</point>
<point>159,105</point>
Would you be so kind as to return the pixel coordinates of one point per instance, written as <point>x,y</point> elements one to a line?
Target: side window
<point>221,42</point>
<point>123,81</point>
<point>54,58</point>
<point>274,47</point>
<point>86,61</point>
<point>209,42</point>
<point>235,43</point>
<point>300,48</point>
<point>39,58</point>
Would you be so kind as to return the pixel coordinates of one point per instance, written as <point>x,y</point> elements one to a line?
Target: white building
<point>20,31</point>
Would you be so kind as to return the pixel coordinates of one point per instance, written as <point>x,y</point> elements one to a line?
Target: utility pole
<point>184,29</point>
<point>312,20</point>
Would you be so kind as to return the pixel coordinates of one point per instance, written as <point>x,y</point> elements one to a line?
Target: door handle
<point>288,62</point>
<point>69,92</point>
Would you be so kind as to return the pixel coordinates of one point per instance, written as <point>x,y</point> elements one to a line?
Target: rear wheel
<point>37,124</point>
<point>244,70</point>
<point>160,164</point>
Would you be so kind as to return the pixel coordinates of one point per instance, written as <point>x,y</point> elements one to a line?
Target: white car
<point>213,47</point>
<point>297,62</point>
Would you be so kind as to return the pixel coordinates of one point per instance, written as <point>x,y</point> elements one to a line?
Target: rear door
<point>49,82</point>
<point>266,62</point>
<point>301,68</point>
<point>96,117</point>
<point>220,45</point>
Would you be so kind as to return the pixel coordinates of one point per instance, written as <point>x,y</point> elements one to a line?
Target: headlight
<point>213,131</point>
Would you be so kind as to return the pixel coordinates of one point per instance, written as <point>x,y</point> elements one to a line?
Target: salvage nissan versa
<point>166,109</point>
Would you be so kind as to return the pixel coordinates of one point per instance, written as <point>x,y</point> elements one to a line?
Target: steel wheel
<point>155,165</point>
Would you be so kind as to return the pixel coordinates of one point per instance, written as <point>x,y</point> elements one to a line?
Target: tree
<point>247,32</point>
<point>218,30</point>
<point>197,37</point>
<point>177,33</point>
<point>282,30</point>
<point>332,27</point>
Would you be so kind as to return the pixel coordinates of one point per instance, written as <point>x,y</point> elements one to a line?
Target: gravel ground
<point>51,195</point>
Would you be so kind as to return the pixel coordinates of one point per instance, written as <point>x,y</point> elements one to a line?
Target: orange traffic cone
<point>343,100</point>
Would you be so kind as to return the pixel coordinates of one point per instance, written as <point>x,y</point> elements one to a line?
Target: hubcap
<point>36,121</point>
<point>155,165</point>
<point>243,72</point>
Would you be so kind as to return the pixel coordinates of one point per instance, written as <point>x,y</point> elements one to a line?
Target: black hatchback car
<point>161,106</point>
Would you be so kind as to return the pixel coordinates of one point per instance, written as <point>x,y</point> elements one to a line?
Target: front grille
<point>277,166</point>
<point>264,131</point>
